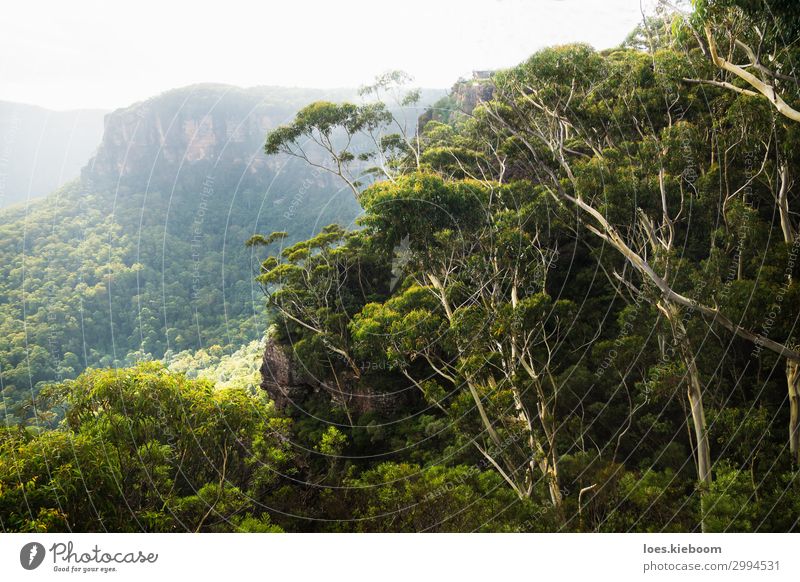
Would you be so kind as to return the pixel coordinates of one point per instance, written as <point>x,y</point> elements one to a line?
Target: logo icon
<point>31,555</point>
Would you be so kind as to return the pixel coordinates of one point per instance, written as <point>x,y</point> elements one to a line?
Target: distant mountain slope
<point>144,253</point>
<point>40,149</point>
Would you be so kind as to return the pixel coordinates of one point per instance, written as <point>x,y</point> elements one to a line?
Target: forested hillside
<point>570,304</point>
<point>144,253</point>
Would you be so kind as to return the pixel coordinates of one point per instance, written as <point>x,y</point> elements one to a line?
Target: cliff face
<point>177,185</point>
<point>289,387</point>
<point>219,124</point>
<point>468,94</point>
<point>462,99</point>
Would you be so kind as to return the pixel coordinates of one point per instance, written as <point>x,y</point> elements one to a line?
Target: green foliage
<point>143,449</point>
<point>515,322</point>
<point>332,442</point>
<point>114,269</point>
<point>239,369</point>
<point>404,497</point>
<point>489,350</point>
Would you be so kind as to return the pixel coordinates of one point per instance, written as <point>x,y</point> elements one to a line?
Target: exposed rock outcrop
<point>281,379</point>
<point>469,94</point>
<point>202,122</point>
<point>289,386</point>
<point>219,124</point>
<point>462,99</point>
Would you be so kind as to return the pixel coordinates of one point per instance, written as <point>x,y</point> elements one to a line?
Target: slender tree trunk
<point>792,366</point>
<point>793,381</point>
<point>694,392</point>
<point>548,463</point>
<point>553,481</point>
<point>695,395</point>
<point>699,424</point>
<point>703,448</point>
<point>555,493</point>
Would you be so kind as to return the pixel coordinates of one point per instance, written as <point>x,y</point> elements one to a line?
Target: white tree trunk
<point>793,381</point>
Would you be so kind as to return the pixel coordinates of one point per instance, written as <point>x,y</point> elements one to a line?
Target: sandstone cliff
<point>218,124</point>
<point>462,99</point>
<point>284,379</point>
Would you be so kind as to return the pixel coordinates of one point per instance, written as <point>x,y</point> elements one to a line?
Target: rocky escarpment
<point>462,99</point>
<point>220,125</point>
<point>290,386</point>
<point>282,379</point>
<point>469,94</point>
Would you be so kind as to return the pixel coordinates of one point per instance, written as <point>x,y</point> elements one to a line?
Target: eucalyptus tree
<point>355,142</point>
<point>753,45</point>
<point>583,120</point>
<point>144,449</point>
<point>314,287</point>
<point>475,310</point>
<point>619,138</point>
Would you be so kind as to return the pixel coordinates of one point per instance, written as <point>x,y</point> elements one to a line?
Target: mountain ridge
<point>143,254</point>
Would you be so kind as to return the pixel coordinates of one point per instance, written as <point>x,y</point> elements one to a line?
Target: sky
<point>107,54</point>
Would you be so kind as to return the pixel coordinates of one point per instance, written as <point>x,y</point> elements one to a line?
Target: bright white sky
<point>66,54</point>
